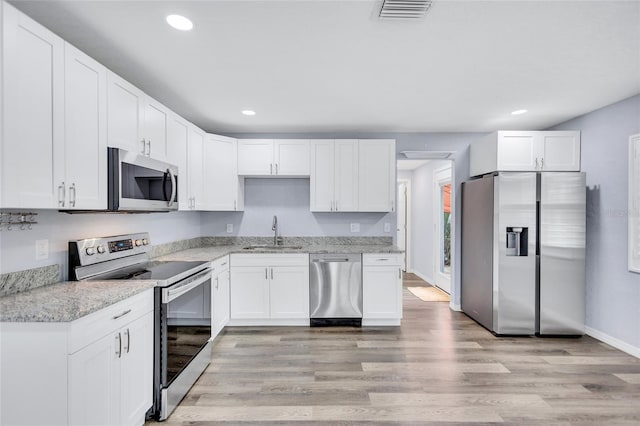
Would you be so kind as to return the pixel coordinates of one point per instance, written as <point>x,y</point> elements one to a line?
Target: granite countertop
<point>67,301</point>
<point>215,252</point>
<point>70,300</point>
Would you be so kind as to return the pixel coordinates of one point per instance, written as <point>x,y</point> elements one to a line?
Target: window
<point>634,203</point>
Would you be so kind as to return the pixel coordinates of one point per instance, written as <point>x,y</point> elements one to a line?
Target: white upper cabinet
<point>137,122</point>
<point>178,133</point>
<point>156,119</point>
<point>376,175</point>
<point>525,151</point>
<point>222,189</point>
<point>85,141</point>
<point>125,115</point>
<point>268,157</point>
<point>33,113</point>
<point>195,168</point>
<point>349,175</point>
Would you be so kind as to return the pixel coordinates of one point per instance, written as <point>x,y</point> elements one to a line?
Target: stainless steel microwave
<point>138,183</point>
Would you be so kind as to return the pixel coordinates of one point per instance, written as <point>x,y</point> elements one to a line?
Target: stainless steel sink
<point>270,247</point>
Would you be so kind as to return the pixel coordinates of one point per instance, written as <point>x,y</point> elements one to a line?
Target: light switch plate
<point>42,249</point>
<point>229,228</point>
<point>387,227</point>
<point>355,227</point>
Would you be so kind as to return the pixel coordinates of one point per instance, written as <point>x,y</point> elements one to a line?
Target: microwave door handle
<point>174,188</point>
<point>164,186</point>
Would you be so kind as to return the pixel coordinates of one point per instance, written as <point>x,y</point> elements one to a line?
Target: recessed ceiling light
<point>518,112</point>
<point>179,22</point>
<point>248,112</point>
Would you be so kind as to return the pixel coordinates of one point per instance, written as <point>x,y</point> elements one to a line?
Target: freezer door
<point>514,286</point>
<point>562,253</point>
<point>477,250</point>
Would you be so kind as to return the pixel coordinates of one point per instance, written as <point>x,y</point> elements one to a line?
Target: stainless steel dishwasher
<point>335,289</point>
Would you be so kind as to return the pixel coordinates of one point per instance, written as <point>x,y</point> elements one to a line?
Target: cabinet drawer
<point>98,324</point>
<point>270,259</point>
<point>220,265</point>
<point>381,259</point>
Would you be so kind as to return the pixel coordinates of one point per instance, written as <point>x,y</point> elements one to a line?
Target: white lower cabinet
<point>381,289</point>
<point>220,278</point>
<point>269,289</point>
<point>97,370</point>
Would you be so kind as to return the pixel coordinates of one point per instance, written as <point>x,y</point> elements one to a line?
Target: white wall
<point>289,200</point>
<point>17,248</point>
<point>612,293</point>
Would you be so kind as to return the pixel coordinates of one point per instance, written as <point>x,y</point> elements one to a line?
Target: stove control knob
<point>100,249</point>
<point>145,242</point>
<point>138,243</point>
<point>90,251</point>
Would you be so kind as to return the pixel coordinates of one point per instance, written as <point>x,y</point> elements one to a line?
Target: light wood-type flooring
<point>439,366</point>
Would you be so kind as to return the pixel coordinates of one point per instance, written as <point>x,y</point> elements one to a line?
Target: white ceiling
<point>332,66</point>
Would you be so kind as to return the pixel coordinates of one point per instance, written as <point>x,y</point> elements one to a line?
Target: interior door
<point>443,222</point>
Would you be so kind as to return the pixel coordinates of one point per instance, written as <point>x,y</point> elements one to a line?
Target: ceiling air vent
<point>404,9</point>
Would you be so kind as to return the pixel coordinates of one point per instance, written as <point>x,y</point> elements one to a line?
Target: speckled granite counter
<point>67,301</point>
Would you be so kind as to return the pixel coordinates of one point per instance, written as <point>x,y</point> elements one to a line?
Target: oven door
<point>140,183</point>
<point>185,333</point>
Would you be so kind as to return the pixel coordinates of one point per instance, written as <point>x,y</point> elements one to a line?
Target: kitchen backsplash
<point>15,282</point>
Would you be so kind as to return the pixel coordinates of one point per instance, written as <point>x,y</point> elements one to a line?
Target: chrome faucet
<point>274,228</point>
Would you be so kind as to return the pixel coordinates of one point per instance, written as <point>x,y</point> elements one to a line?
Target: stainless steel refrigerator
<point>523,251</point>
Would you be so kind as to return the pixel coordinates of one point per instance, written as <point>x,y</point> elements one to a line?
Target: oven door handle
<point>171,293</point>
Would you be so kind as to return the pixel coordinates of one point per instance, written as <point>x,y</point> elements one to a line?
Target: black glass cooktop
<point>165,273</point>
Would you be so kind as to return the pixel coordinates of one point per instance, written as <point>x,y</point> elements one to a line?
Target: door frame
<point>407,238</point>
<point>439,178</point>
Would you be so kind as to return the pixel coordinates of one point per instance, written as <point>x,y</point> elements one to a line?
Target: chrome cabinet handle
<point>276,168</point>
<point>144,147</point>
<point>119,347</point>
<point>149,148</point>
<point>72,201</point>
<point>536,163</point>
<point>235,205</point>
<point>128,345</point>
<point>122,314</point>
<point>61,197</point>
<point>336,205</point>
<point>270,169</point>
<point>400,273</point>
<point>271,273</point>
<point>217,282</point>
<point>542,164</point>
<point>266,277</point>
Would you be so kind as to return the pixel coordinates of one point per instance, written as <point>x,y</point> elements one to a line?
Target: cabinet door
<point>255,157</point>
<point>85,119</point>
<point>322,176</point>
<point>561,151</point>
<point>33,134</point>
<point>178,132</point>
<point>289,292</point>
<point>346,176</point>
<point>125,115</point>
<point>94,383</point>
<point>376,175</point>
<point>220,302</point>
<point>382,292</point>
<point>291,157</point>
<point>518,151</point>
<point>156,119</point>
<point>136,370</point>
<point>249,292</point>
<point>195,146</point>
<point>220,174</point>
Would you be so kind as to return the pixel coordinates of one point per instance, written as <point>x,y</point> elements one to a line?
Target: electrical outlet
<point>42,249</point>
<point>355,227</point>
<point>229,228</point>
<point>387,227</point>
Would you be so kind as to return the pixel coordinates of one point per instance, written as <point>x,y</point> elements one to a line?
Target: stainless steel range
<point>182,347</point>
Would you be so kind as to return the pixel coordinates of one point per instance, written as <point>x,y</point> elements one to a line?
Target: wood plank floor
<point>439,366</point>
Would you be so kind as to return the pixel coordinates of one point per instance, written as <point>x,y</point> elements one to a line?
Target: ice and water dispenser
<point>517,241</point>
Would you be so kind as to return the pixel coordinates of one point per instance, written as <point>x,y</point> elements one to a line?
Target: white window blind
<point>634,203</point>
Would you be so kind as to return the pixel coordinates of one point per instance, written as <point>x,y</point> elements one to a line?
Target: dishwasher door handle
<point>332,260</point>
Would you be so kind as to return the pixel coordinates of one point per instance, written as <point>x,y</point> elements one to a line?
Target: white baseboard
<point>616,343</point>
<point>455,307</point>
<point>422,276</point>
